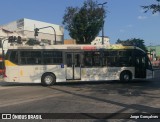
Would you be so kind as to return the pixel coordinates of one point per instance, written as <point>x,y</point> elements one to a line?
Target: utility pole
<point>102,4</point>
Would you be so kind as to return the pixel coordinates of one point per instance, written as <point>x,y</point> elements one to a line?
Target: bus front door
<point>140,67</point>
<point>73,69</point>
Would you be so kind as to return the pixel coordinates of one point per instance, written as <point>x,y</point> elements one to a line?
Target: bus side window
<point>96,59</point>
<point>125,61</point>
<point>111,61</point>
<point>23,61</point>
<point>36,57</point>
<point>14,57</point>
<point>30,57</point>
<point>52,57</point>
<point>88,59</point>
<point>109,58</point>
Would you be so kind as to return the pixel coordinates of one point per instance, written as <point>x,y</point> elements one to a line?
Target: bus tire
<point>48,79</point>
<point>125,76</point>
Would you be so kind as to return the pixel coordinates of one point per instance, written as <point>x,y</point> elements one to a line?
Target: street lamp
<point>102,4</point>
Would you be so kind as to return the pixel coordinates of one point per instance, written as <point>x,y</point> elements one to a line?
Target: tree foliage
<point>32,42</point>
<point>133,42</point>
<point>84,23</point>
<point>153,7</point>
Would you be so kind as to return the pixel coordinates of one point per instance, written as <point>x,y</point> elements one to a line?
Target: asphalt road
<point>139,96</point>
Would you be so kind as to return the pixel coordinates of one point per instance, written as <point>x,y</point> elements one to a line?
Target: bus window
<point>96,59</point>
<point>14,57</point>
<point>92,59</point>
<point>140,62</point>
<point>77,60</point>
<point>69,60</point>
<point>117,58</point>
<point>125,53</point>
<point>111,61</point>
<point>88,59</point>
<point>30,57</point>
<point>125,61</point>
<point>52,57</point>
<point>113,53</point>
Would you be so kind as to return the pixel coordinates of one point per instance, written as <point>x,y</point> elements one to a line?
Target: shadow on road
<point>136,88</point>
<point>139,108</point>
<point>144,88</point>
<point>10,84</point>
<point>74,83</point>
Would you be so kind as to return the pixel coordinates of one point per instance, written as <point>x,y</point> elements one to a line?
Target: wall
<point>26,27</point>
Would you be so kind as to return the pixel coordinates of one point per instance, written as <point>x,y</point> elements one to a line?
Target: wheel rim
<point>48,79</point>
<point>126,77</point>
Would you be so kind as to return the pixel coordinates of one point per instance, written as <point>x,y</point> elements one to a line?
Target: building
<point>98,41</point>
<point>154,55</point>
<point>4,34</point>
<point>26,28</point>
<point>154,52</point>
<point>69,41</point>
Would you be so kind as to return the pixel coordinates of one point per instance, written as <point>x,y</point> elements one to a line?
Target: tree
<point>133,42</point>
<point>32,42</point>
<point>153,7</point>
<point>84,23</point>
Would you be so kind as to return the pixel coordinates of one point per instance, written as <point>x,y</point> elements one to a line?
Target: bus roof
<point>79,47</point>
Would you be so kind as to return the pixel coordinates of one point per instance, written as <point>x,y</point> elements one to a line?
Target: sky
<point>125,18</point>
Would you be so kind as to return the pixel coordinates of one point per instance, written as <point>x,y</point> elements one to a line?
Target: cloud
<point>142,17</point>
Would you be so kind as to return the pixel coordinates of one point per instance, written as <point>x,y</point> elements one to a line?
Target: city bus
<point>62,63</point>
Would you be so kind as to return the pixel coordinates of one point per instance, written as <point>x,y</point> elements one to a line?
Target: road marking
<point>20,101</point>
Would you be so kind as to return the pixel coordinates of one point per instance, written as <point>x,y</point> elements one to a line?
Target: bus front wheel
<point>125,76</point>
<point>48,79</point>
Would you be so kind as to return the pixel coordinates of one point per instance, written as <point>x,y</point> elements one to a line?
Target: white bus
<point>60,63</point>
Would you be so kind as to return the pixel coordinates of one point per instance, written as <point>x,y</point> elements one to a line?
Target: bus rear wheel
<point>48,79</point>
<point>125,76</point>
